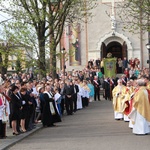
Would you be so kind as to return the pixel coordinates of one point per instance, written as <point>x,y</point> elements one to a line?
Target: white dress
<point>79,99</point>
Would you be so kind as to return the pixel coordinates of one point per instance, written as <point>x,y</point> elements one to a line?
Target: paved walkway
<point>92,128</point>
<point>12,139</point>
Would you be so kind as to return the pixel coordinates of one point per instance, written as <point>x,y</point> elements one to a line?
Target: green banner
<point>110,67</point>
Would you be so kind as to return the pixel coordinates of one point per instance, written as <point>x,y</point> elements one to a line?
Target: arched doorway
<point>108,40</point>
<point>117,50</point>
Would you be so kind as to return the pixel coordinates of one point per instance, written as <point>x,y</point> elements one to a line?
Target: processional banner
<point>110,67</point>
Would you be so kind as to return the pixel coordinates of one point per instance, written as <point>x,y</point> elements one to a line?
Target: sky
<point>4,16</point>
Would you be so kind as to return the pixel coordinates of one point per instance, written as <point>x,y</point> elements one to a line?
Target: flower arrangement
<point>109,55</point>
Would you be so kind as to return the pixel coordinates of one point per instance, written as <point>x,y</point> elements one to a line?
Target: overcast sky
<point>4,16</point>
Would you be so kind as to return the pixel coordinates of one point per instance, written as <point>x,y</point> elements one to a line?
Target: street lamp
<point>63,62</point>
<point>148,47</point>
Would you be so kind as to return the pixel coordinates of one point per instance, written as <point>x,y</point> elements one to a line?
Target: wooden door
<point>124,50</point>
<point>103,50</point>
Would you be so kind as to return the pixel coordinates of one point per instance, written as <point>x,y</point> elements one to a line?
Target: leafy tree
<point>6,49</point>
<point>18,65</point>
<point>135,14</point>
<point>47,18</point>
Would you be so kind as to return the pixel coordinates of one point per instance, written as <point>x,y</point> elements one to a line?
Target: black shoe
<point>74,111</point>
<point>141,134</point>
<point>15,133</point>
<point>52,125</point>
<point>29,129</point>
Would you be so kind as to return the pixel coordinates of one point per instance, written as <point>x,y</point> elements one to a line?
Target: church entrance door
<point>117,50</point>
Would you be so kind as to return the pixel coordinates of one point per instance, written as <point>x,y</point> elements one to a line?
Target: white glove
<point>23,102</point>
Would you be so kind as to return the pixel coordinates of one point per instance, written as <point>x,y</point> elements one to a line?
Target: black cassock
<point>49,115</point>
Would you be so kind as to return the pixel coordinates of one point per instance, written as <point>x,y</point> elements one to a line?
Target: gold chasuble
<point>125,103</point>
<point>148,85</point>
<point>118,94</point>
<point>141,103</point>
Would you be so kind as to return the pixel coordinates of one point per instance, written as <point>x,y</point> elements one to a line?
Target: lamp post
<point>63,63</point>
<point>148,47</point>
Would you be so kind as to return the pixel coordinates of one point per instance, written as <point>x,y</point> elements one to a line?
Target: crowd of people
<point>131,103</point>
<point>122,65</point>
<point>25,99</point>
<point>130,94</point>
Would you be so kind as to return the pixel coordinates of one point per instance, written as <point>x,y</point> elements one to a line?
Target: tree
<point>6,49</point>
<point>135,14</point>
<point>18,65</point>
<point>48,18</point>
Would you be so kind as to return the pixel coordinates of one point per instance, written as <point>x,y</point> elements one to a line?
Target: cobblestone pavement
<point>92,128</point>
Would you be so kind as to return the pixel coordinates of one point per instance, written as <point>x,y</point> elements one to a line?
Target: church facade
<point>101,35</point>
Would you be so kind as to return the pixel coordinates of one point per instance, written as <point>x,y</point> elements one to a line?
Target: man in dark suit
<point>96,83</point>
<point>106,87</point>
<point>125,63</point>
<point>68,92</point>
<point>76,90</point>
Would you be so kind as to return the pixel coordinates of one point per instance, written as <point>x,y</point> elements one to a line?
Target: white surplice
<point>126,118</point>
<point>118,115</point>
<point>141,125</point>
